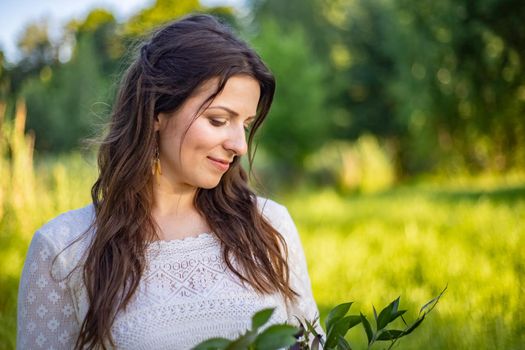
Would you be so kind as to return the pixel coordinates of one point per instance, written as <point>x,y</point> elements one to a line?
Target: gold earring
<point>156,162</point>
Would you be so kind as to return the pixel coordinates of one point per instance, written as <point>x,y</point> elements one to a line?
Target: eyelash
<point>218,123</point>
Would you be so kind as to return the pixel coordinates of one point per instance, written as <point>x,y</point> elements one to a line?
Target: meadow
<point>409,241</point>
<point>412,242</point>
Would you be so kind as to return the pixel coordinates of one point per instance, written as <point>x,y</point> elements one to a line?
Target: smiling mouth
<point>220,164</point>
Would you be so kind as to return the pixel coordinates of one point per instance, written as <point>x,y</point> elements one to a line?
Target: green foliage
<point>275,336</point>
<point>412,239</point>
<point>337,324</point>
<point>299,119</point>
<point>427,78</point>
<point>61,106</point>
<point>36,47</point>
<point>159,13</point>
<point>365,165</point>
<point>100,26</point>
<point>430,77</point>
<point>163,11</point>
<point>29,196</point>
<point>468,71</point>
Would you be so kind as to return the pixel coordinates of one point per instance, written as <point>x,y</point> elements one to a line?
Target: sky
<point>16,14</point>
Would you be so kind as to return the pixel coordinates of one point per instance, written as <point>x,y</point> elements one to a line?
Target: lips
<point>220,164</point>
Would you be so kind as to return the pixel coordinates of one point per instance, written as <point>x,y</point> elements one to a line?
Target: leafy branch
<point>337,325</point>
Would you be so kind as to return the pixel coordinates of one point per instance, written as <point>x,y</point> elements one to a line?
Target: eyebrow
<point>230,111</point>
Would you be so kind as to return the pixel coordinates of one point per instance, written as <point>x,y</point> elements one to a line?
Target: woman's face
<point>213,139</point>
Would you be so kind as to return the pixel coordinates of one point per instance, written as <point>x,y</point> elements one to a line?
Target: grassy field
<point>410,242</point>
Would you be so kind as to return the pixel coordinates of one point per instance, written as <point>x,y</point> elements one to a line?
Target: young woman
<point>175,247</point>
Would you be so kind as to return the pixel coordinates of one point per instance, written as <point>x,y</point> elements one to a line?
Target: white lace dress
<point>185,296</point>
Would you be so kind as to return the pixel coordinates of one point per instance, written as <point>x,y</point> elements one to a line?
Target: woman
<point>175,247</point>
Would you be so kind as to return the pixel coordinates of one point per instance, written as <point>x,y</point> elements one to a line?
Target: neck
<point>171,199</point>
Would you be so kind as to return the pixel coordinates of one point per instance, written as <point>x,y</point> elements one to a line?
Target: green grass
<point>26,203</point>
<point>411,242</point>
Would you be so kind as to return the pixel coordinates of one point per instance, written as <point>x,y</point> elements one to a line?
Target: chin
<point>208,185</point>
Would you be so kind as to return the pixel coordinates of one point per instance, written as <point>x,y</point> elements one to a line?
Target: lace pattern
<point>186,295</point>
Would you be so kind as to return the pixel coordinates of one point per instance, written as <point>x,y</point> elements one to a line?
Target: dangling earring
<point>156,169</point>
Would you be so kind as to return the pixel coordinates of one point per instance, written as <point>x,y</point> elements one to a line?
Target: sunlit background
<point>396,140</point>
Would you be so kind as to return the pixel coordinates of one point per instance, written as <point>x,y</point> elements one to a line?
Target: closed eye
<point>217,121</point>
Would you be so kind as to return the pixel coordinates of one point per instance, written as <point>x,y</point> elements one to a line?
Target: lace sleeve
<point>46,313</point>
<point>305,306</point>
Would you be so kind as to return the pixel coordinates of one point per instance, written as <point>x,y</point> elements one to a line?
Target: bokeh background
<point>396,141</point>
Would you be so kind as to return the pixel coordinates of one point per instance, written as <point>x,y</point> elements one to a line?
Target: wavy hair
<point>178,59</point>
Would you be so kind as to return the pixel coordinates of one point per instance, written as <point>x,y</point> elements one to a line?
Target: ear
<point>159,121</point>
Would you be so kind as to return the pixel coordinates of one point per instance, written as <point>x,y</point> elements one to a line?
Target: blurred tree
<point>460,81</point>
<point>37,51</point>
<point>61,100</point>
<point>365,74</point>
<point>163,11</point>
<point>299,118</point>
<point>102,27</point>
<point>4,79</point>
<point>159,13</point>
<point>36,48</point>
<point>308,14</point>
<point>347,37</point>
<point>441,83</point>
<point>61,107</point>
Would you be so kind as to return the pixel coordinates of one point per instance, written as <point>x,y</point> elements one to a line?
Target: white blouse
<point>186,294</point>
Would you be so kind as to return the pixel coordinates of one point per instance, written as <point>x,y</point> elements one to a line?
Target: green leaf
<point>261,318</point>
<point>342,344</point>
<point>213,344</point>
<point>432,303</point>
<point>413,326</point>
<point>311,328</point>
<point>243,342</point>
<point>368,329</point>
<point>390,334</point>
<point>385,316</point>
<point>276,337</point>
<point>340,328</point>
<point>396,315</point>
<point>395,305</point>
<point>352,321</point>
<point>336,313</point>
<point>300,322</point>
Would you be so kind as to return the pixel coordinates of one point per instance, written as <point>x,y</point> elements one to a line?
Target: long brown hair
<point>170,66</point>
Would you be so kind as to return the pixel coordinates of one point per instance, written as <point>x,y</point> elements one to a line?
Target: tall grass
<point>412,242</point>
<point>409,241</point>
<point>30,195</point>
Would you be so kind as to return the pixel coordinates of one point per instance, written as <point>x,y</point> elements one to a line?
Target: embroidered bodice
<point>186,294</point>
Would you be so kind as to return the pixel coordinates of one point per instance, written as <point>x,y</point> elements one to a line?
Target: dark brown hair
<point>178,59</point>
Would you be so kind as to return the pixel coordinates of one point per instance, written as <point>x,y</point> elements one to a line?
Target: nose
<point>236,141</point>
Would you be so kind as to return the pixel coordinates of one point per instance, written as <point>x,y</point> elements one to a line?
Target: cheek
<point>201,137</point>
<point>170,144</point>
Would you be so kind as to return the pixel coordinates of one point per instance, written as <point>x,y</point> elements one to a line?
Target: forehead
<point>241,94</point>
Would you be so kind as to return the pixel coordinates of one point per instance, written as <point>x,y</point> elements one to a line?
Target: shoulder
<point>271,210</point>
<point>279,217</point>
<point>64,229</point>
